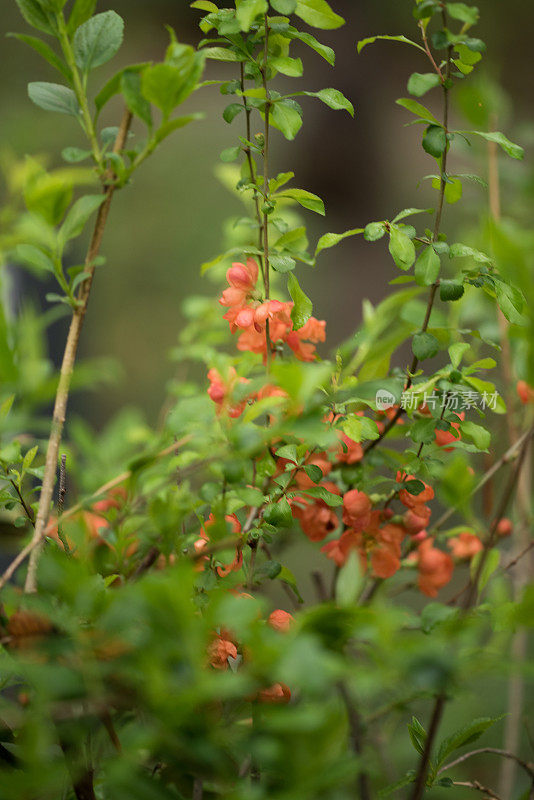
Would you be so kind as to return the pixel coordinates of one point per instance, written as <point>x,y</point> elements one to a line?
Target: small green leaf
<point>306,199</point>
<point>53,97</point>
<point>420,83</point>
<point>513,150</point>
<point>231,111</point>
<point>33,257</point>
<point>248,10</point>
<point>36,16</point>
<point>349,581</point>
<point>133,96</point>
<point>476,434</point>
<point>285,7</point>
<point>74,154</point>
<point>417,109</point>
<point>424,346</point>
<point>97,40</point>
<point>318,14</point>
<point>78,217</point>
<point>449,291</point>
<point>303,307</point>
<point>466,735</point>
<point>372,39</point>
<point>230,154</point>
<point>281,262</point>
<point>401,247</point>
<point>427,267</point>
<point>292,67</point>
<point>374,231</point>
<point>45,51</point>
<point>463,12</point>
<point>81,12</point>
<point>435,141</point>
<point>332,239</point>
<point>286,116</point>
<point>333,99</point>
<point>321,49</point>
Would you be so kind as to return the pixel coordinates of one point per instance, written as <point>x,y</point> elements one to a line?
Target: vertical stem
<point>67,367</point>
<point>266,276</point>
<point>248,113</point>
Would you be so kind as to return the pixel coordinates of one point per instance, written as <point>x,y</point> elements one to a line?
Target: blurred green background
<point>171,219</point>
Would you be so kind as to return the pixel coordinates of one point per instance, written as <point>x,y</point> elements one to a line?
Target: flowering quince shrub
<point>160,636</point>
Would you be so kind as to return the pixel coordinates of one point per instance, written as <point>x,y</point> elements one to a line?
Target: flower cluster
<point>251,316</point>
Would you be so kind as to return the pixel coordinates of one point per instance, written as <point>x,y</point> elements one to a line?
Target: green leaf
<point>318,14</point>
<point>97,40</point>
<point>333,99</point>
<point>231,111</point>
<point>457,351</point>
<point>427,267</point>
<point>53,97</point>
<point>287,576</point>
<point>360,428</point>
<point>466,735</point>
<point>292,67</point>
<point>81,12</point>
<point>349,581</point>
<point>45,51</point>
<point>332,239</point>
<point>281,262</point>
<point>421,83</point>
<point>36,16</point>
<point>248,10</point>
<point>221,54</point>
<point>513,150</point>
<point>372,39</point>
<point>374,231</point>
<point>409,212</point>
<point>33,257</point>
<point>205,5</point>
<point>424,346</point>
<point>417,109</point>
<point>175,124</point>
<point>417,735</point>
<point>476,434</point>
<point>285,7</point>
<point>449,291</point>
<point>286,116</point>
<point>167,85</point>
<point>401,248</point>
<point>463,12</point>
<point>230,154</point>
<point>305,199</point>
<point>510,301</point>
<point>303,307</point>
<point>133,96</point>
<point>78,217</point>
<point>321,49</point>
<point>435,141</point>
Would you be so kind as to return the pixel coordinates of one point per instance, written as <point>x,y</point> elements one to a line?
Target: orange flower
<point>201,543</point>
<point>444,438</point>
<point>505,527</point>
<point>280,620</point>
<point>350,451</point>
<point>221,390</point>
<point>413,500</point>
<point>416,519</point>
<point>466,545</point>
<point>219,651</point>
<point>277,694</point>
<point>316,518</point>
<point>356,510</point>
<point>525,392</point>
<point>435,568</point>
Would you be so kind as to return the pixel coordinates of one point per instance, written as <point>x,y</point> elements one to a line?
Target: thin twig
<point>529,768</point>
<point>67,367</point>
<point>27,509</point>
<point>478,787</point>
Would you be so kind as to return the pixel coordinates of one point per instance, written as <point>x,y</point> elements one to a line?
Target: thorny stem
<point>67,367</point>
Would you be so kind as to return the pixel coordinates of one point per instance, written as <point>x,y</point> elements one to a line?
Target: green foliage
<point>149,662</point>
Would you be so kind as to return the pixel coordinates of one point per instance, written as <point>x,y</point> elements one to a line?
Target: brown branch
<point>356,737</point>
<point>479,788</point>
<point>67,367</point>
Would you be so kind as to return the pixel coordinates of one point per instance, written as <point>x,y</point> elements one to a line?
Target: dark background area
<point>170,220</point>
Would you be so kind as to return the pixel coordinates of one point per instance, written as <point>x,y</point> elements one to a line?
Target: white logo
<point>384,400</point>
